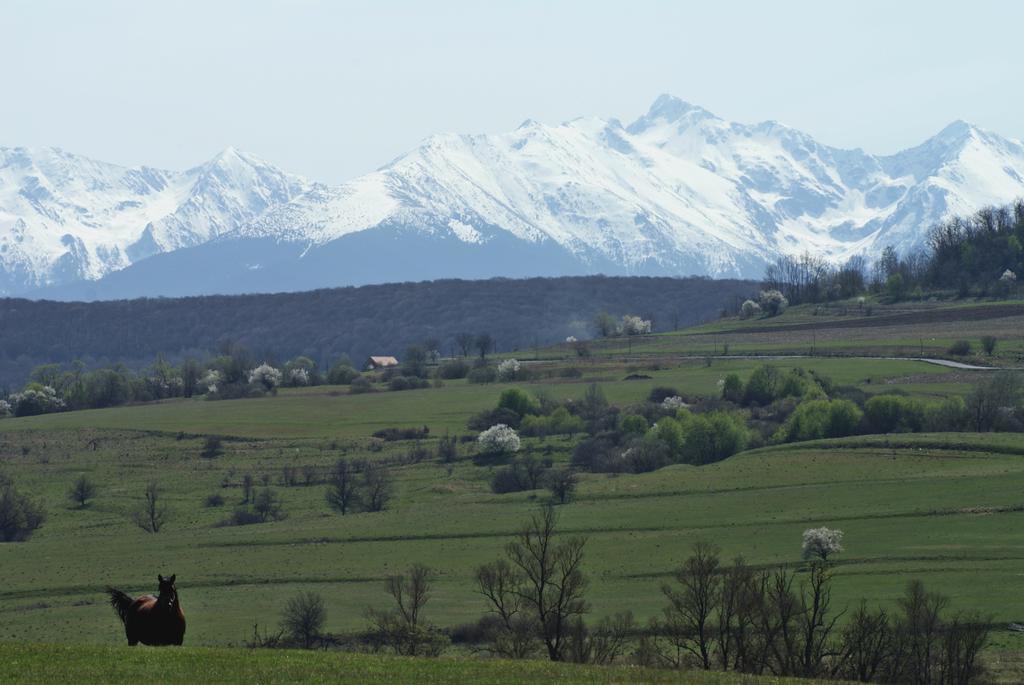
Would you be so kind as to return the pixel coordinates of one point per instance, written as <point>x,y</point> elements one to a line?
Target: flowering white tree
<point>499,438</point>
<point>634,325</point>
<point>749,309</point>
<point>211,381</point>
<point>265,376</point>
<point>673,403</point>
<point>508,369</point>
<point>5,408</point>
<point>298,376</point>
<point>773,302</point>
<point>1008,277</point>
<point>35,400</point>
<point>821,543</point>
<point>571,339</point>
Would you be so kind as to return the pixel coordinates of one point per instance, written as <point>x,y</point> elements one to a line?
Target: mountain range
<point>677,192</point>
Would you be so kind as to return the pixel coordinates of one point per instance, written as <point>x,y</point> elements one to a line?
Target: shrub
<point>81,491</point>
<point>762,386</point>
<point>408,383</point>
<point>658,394</point>
<point>893,414</point>
<point>35,399</point>
<point>20,515</point>
<point>633,423</point>
<point>341,374</point>
<point>525,473</point>
<point>960,348</point>
<point>482,374</point>
<point>749,309</point>
<point>509,369</point>
<point>214,500</point>
<point>265,377</point>
<point>561,483</point>
<point>499,439</point>
<point>360,385</point>
<point>732,388</point>
<point>816,419</point>
<point>393,434</point>
<point>950,415</point>
<point>452,370</point>
<point>303,618</point>
<point>492,417</point>
<point>515,400</point>
<point>213,447</point>
<point>772,302</point>
<point>821,543</point>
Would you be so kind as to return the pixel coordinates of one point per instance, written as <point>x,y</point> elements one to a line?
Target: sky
<point>332,90</point>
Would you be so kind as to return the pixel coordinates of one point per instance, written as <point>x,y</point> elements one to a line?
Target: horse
<point>151,620</point>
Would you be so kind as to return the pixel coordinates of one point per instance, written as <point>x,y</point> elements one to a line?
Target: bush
<point>341,374</point>
<point>35,399</point>
<point>559,422</point>
<point>515,400</point>
<point>492,417</point>
<point>20,515</point>
<point>499,439</point>
<point>482,374</point>
<point>394,434</point>
<point>213,447</point>
<point>509,370</point>
<point>960,348</point>
<point>303,618</point>
<point>772,302</point>
<point>749,309</point>
<point>816,419</point>
<point>659,394</point>
<point>893,414</point>
<point>360,385</point>
<point>408,383</point>
<point>452,370</point>
<point>633,423</point>
<point>214,500</point>
<point>762,386</point>
<point>950,415</point>
<point>732,388</point>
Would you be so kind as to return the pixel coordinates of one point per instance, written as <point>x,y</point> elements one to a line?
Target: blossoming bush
<point>41,399</point>
<point>265,376</point>
<point>499,439</point>
<point>821,543</point>
<point>509,369</point>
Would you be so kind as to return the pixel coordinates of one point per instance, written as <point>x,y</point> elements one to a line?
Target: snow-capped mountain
<point>678,191</point>
<point>66,218</point>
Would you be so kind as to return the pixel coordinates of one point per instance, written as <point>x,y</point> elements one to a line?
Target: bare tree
<point>247,488</point>
<point>378,487</point>
<point>561,483</point>
<point>464,341</point>
<point>81,491</point>
<point>303,618</point>
<point>403,629</point>
<point>483,343</point>
<point>687,624</point>
<point>553,584</point>
<point>152,514</point>
<point>514,633</point>
<point>343,487</point>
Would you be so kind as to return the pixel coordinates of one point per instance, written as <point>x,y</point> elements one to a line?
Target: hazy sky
<point>334,89</point>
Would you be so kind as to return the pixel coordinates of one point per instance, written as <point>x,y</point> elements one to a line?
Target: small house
<point>380,363</point>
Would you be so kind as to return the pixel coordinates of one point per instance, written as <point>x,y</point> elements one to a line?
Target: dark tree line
<point>327,324</point>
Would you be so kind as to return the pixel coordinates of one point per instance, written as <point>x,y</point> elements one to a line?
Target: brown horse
<point>151,620</point>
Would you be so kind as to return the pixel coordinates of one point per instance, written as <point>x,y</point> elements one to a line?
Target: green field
<point>80,664</point>
<point>945,508</point>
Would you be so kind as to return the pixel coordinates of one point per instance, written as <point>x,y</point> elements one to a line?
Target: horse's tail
<point>120,601</point>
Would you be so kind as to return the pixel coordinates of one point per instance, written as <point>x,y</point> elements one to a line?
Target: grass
<point>945,508</point>
<point>91,664</point>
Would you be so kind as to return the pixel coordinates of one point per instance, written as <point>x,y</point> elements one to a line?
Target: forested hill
<point>324,324</point>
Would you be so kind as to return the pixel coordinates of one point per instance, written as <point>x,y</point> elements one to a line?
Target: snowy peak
<point>678,191</point>
<point>65,217</point>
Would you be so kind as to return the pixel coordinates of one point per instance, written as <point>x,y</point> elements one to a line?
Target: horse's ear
<point>172,578</point>
<point>160,577</point>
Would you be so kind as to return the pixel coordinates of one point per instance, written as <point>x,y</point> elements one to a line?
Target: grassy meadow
<point>945,508</point>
